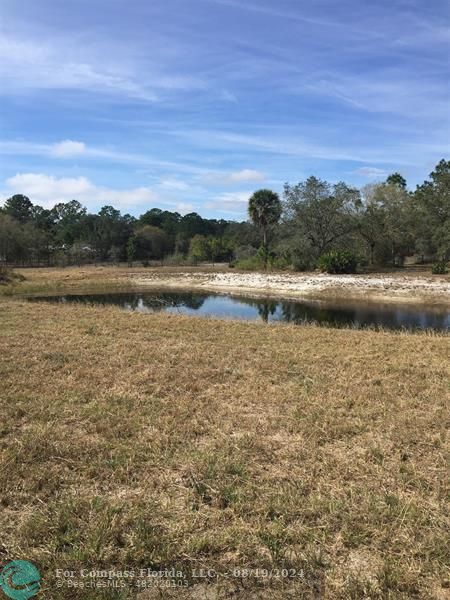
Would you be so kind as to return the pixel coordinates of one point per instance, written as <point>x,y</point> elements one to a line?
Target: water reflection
<point>268,309</point>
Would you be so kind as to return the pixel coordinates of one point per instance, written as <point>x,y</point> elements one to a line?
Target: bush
<point>178,260</point>
<point>337,261</point>
<point>253,263</point>
<point>244,252</point>
<point>439,268</point>
<point>301,264</point>
<point>8,276</point>
<point>280,263</point>
<point>5,276</point>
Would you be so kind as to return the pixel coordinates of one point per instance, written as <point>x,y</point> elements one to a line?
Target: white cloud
<point>246,175</point>
<point>47,191</point>
<point>173,184</point>
<point>23,148</point>
<point>184,208</point>
<point>233,177</point>
<point>371,172</point>
<point>68,148</point>
<point>230,202</point>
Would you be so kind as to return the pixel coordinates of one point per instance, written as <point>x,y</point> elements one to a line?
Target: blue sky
<point>194,104</point>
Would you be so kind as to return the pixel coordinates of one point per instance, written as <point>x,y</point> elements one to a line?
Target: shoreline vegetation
<point>169,442</point>
<point>416,286</point>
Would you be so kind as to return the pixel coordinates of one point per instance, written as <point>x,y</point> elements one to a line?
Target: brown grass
<point>131,440</point>
<point>89,277</point>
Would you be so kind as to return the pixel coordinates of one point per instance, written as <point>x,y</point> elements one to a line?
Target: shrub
<point>253,263</point>
<point>178,260</point>
<point>243,252</point>
<point>439,267</point>
<point>279,262</point>
<point>301,264</point>
<point>4,275</point>
<point>8,276</point>
<point>256,262</point>
<point>337,261</point>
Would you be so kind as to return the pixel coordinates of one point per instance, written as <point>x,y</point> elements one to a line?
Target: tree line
<point>379,225</point>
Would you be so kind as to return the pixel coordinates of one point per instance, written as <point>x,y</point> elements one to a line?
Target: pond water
<point>333,314</point>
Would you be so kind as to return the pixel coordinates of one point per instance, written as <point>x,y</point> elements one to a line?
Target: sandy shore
<point>386,288</point>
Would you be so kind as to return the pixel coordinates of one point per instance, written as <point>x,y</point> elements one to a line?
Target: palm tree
<point>264,209</point>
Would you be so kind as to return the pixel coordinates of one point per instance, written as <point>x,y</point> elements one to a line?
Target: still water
<point>341,314</point>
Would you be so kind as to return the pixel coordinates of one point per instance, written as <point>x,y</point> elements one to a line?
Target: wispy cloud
<point>371,172</point>
<point>233,177</point>
<point>388,91</point>
<point>233,203</point>
<point>264,9</point>
<point>68,149</point>
<point>75,149</point>
<point>320,145</point>
<point>55,63</point>
<point>276,144</point>
<point>46,65</point>
<point>173,184</point>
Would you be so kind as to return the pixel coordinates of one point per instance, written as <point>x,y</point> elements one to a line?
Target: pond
<point>334,314</point>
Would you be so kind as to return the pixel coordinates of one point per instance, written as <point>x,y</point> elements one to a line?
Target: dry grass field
<point>133,441</point>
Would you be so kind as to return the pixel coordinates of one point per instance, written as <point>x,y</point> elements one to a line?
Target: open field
<point>131,441</point>
<point>405,286</point>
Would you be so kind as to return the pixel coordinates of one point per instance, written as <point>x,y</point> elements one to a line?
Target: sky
<point>191,105</point>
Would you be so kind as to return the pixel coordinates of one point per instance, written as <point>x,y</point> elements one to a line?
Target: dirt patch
<point>361,287</point>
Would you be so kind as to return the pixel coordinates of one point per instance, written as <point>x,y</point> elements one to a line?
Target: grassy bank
<point>132,440</point>
<point>51,280</point>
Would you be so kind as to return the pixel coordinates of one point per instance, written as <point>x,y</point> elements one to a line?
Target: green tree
<point>12,240</point>
<point>219,250</point>
<point>432,217</point>
<point>19,207</point>
<point>394,206</point>
<point>80,253</point>
<point>42,218</point>
<point>370,224</point>
<point>396,179</point>
<point>151,243</point>
<point>69,220</point>
<point>319,215</point>
<point>131,249</point>
<point>199,248</point>
<point>111,232</point>
<point>264,209</point>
